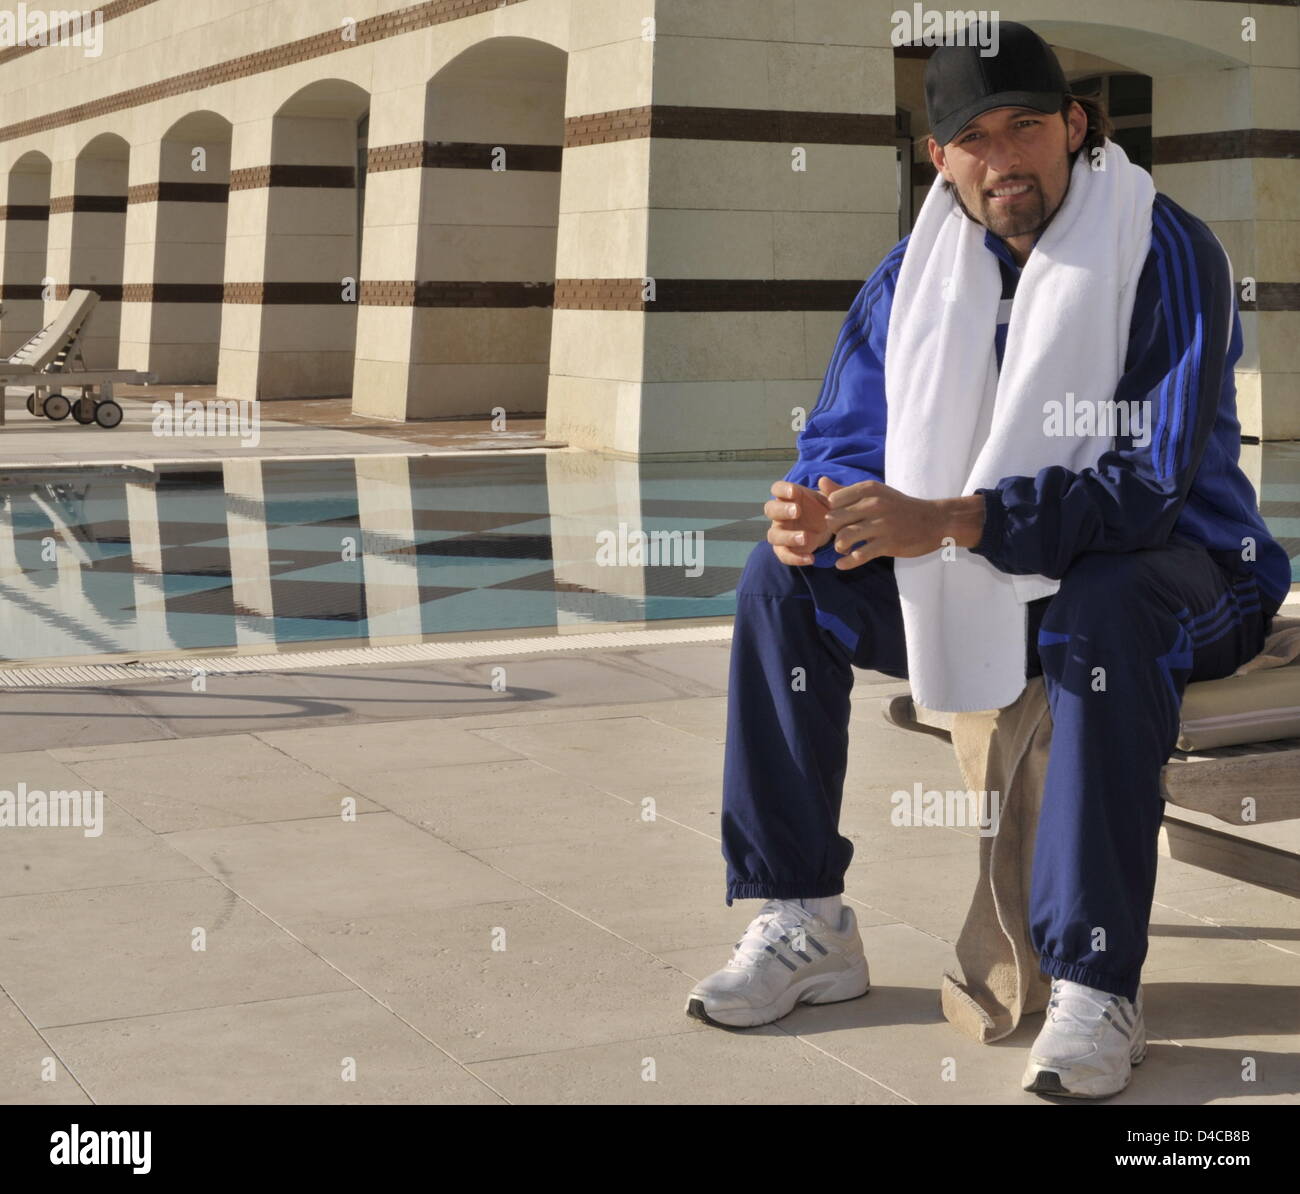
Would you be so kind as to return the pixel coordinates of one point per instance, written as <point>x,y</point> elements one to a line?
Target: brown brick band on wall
<point>16,291</point>
<point>251,178</point>
<point>372,29</point>
<point>178,192</point>
<point>378,293</point>
<point>1225,146</point>
<point>597,294</point>
<point>241,292</point>
<point>24,211</point>
<point>107,293</point>
<point>1272,296</point>
<point>707,294</point>
<point>729,124</point>
<point>172,292</point>
<point>599,128</point>
<point>409,155</point>
<point>471,155</point>
<point>61,204</point>
<point>456,294</point>
<point>461,155</point>
<point>585,294</point>
<point>303,294</point>
<point>115,8</point>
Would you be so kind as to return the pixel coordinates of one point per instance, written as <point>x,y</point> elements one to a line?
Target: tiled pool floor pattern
<point>115,560</point>
<point>471,546</point>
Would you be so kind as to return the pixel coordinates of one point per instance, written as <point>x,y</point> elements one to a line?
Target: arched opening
<point>489,210</point>
<point>182,334</point>
<point>1126,96</point>
<point>25,230</point>
<point>97,243</point>
<point>314,215</point>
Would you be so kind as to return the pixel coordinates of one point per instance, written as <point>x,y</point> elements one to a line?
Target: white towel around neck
<point>965,621</point>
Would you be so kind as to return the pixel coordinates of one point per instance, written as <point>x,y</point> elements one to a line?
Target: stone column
<point>1224,146</point>
<point>459,251</point>
<point>90,242</point>
<point>382,383</point>
<point>289,321</point>
<point>24,226</point>
<point>176,236</point>
<point>723,198</point>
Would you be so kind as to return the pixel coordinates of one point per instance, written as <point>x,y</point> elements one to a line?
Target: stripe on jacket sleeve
<point>1185,336</point>
<point>848,345</point>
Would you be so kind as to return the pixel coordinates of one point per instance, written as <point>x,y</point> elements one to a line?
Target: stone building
<point>643,217</point>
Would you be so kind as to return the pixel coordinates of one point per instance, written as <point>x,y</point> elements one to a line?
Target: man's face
<point>1011,167</point>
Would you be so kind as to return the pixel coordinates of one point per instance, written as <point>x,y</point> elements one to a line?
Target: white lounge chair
<point>51,361</point>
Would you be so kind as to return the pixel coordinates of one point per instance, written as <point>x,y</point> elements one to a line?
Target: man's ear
<point>1078,126</point>
<point>937,158</point>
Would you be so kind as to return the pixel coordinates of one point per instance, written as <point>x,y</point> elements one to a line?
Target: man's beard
<point>1022,219</point>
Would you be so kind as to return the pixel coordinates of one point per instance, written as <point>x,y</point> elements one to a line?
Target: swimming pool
<point>261,555</point>
<point>265,554</point>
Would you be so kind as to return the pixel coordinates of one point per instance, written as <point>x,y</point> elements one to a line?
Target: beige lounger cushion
<point>1261,703</point>
<point>1259,707</point>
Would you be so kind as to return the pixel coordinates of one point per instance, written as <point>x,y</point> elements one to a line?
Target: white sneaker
<point>1090,1041</point>
<point>787,956</point>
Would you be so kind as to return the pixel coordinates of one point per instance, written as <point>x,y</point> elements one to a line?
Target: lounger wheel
<point>108,413</point>
<point>85,419</point>
<point>57,407</point>
<point>31,404</point>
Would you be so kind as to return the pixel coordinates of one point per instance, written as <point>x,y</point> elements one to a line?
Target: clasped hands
<point>890,522</point>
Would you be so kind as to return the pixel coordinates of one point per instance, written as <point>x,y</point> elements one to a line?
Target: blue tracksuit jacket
<point>1186,481</point>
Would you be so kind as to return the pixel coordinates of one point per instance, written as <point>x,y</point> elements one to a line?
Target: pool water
<point>260,554</point>
<point>130,561</point>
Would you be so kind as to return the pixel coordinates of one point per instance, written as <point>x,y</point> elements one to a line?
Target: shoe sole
<point>1042,1081</point>
<point>825,988</point>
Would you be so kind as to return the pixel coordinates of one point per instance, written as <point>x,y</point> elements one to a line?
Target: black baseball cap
<point>961,81</point>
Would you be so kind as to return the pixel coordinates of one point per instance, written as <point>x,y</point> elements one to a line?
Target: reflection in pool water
<point>253,555</point>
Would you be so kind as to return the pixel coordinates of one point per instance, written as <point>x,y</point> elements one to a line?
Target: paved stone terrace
<point>514,816</point>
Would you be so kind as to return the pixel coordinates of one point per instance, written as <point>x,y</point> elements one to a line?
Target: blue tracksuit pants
<point>1152,619</point>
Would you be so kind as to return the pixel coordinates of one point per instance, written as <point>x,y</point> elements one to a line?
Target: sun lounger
<point>51,361</point>
<point>1238,737</point>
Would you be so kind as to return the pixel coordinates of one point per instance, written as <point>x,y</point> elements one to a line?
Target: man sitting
<point>1022,531</point>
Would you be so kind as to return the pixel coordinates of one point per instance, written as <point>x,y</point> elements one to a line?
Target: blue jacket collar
<point>998,246</point>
